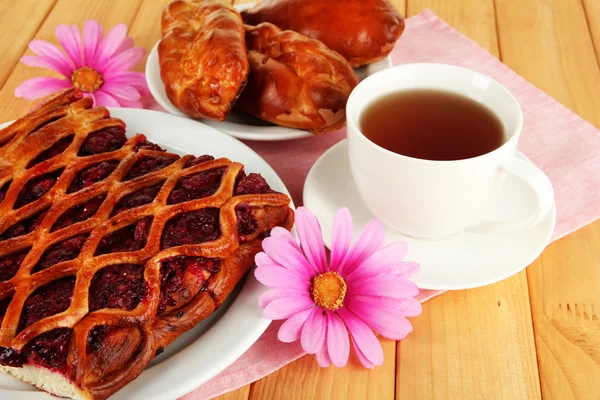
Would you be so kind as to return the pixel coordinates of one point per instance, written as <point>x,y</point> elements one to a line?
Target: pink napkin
<point>563,145</point>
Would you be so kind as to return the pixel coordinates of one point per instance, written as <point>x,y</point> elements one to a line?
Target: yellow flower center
<point>86,79</point>
<point>328,290</point>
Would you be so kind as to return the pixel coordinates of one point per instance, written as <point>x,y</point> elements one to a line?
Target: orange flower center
<point>328,290</point>
<point>86,79</point>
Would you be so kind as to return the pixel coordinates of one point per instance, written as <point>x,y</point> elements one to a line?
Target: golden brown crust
<point>202,56</point>
<point>138,333</point>
<point>295,81</point>
<point>363,31</point>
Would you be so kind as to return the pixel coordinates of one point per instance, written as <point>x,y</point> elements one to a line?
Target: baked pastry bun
<point>362,31</point>
<point>202,57</point>
<point>295,81</point>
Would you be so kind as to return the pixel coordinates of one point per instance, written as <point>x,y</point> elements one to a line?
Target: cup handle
<point>544,194</point>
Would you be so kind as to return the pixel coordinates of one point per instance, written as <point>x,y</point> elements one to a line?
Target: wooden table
<point>535,334</point>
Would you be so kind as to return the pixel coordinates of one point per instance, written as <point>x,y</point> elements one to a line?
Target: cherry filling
<point>24,227</point>
<point>50,349</point>
<point>91,175</point>
<point>66,250</point>
<point>147,164</point>
<point>251,184</point>
<point>117,286</point>
<point>11,358</point>
<point>4,189</point>
<point>103,141</point>
<point>246,224</point>
<point>37,187</point>
<point>78,213</point>
<point>9,265</point>
<point>172,273</point>
<point>148,145</point>
<point>198,160</point>
<point>54,150</point>
<point>50,299</point>
<point>196,186</point>
<point>129,238</point>
<point>143,196</point>
<point>190,228</point>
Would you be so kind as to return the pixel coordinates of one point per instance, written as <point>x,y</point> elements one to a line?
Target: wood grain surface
<point>534,335</point>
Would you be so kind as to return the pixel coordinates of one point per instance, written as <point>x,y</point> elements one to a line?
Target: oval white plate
<point>215,343</point>
<point>240,125</point>
<point>462,261</point>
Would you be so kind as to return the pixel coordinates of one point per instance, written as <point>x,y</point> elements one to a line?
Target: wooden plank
<point>475,343</point>
<point>19,21</point>
<point>240,394</point>
<point>564,282</point>
<point>592,11</point>
<point>107,12</point>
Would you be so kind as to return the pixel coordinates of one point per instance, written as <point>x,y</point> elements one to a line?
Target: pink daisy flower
<point>96,65</point>
<point>328,304</point>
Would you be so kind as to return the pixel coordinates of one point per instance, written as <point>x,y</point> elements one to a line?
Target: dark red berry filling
<point>172,282</point>
<point>4,189</point>
<point>143,196</point>
<point>50,349</point>
<point>4,306</point>
<point>50,299</point>
<point>117,286</point>
<point>246,224</point>
<point>251,184</point>
<point>129,238</point>
<point>196,186</point>
<point>9,265</point>
<point>24,227</point>
<point>97,335</point>
<point>190,228</point>
<point>148,164</point>
<point>78,213</point>
<point>54,150</point>
<point>198,160</point>
<point>11,358</point>
<point>66,250</point>
<point>37,187</point>
<point>103,141</point>
<point>91,175</point>
<point>148,145</point>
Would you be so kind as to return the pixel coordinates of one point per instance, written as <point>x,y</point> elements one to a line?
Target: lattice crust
<point>103,265</point>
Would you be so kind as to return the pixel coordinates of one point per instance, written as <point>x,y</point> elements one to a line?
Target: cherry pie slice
<point>110,248</point>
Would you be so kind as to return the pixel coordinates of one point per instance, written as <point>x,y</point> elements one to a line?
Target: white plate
<point>215,343</point>
<point>465,260</point>
<point>240,125</point>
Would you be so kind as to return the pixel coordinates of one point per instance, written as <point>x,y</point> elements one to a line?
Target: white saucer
<point>240,125</point>
<point>465,260</point>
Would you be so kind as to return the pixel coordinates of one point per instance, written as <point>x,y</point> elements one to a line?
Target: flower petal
<point>35,88</point>
<point>382,260</point>
<point>291,329</point>
<point>131,103</point>
<point>92,35</point>
<point>311,239</point>
<point>273,294</point>
<point>47,49</point>
<point>341,238</point>
<point>322,356</point>
<point>388,322</point>
<point>408,307</point>
<point>285,307</point>
<point>286,235</point>
<point>283,253</point>
<point>386,285</point>
<point>121,91</point>
<point>370,240</point>
<point>126,44</point>
<point>48,62</point>
<point>70,39</point>
<point>109,45</point>
<point>123,61</point>
<point>361,357</point>
<point>262,259</point>
<point>365,341</point>
<point>105,99</point>
<point>279,277</point>
<point>135,79</point>
<point>338,343</point>
<point>313,331</point>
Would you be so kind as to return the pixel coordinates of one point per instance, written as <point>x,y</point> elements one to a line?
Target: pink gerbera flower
<point>98,66</point>
<point>363,288</point>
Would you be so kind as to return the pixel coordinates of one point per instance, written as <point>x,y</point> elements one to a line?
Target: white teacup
<point>435,199</point>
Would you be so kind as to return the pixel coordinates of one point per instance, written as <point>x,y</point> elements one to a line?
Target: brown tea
<point>432,125</point>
